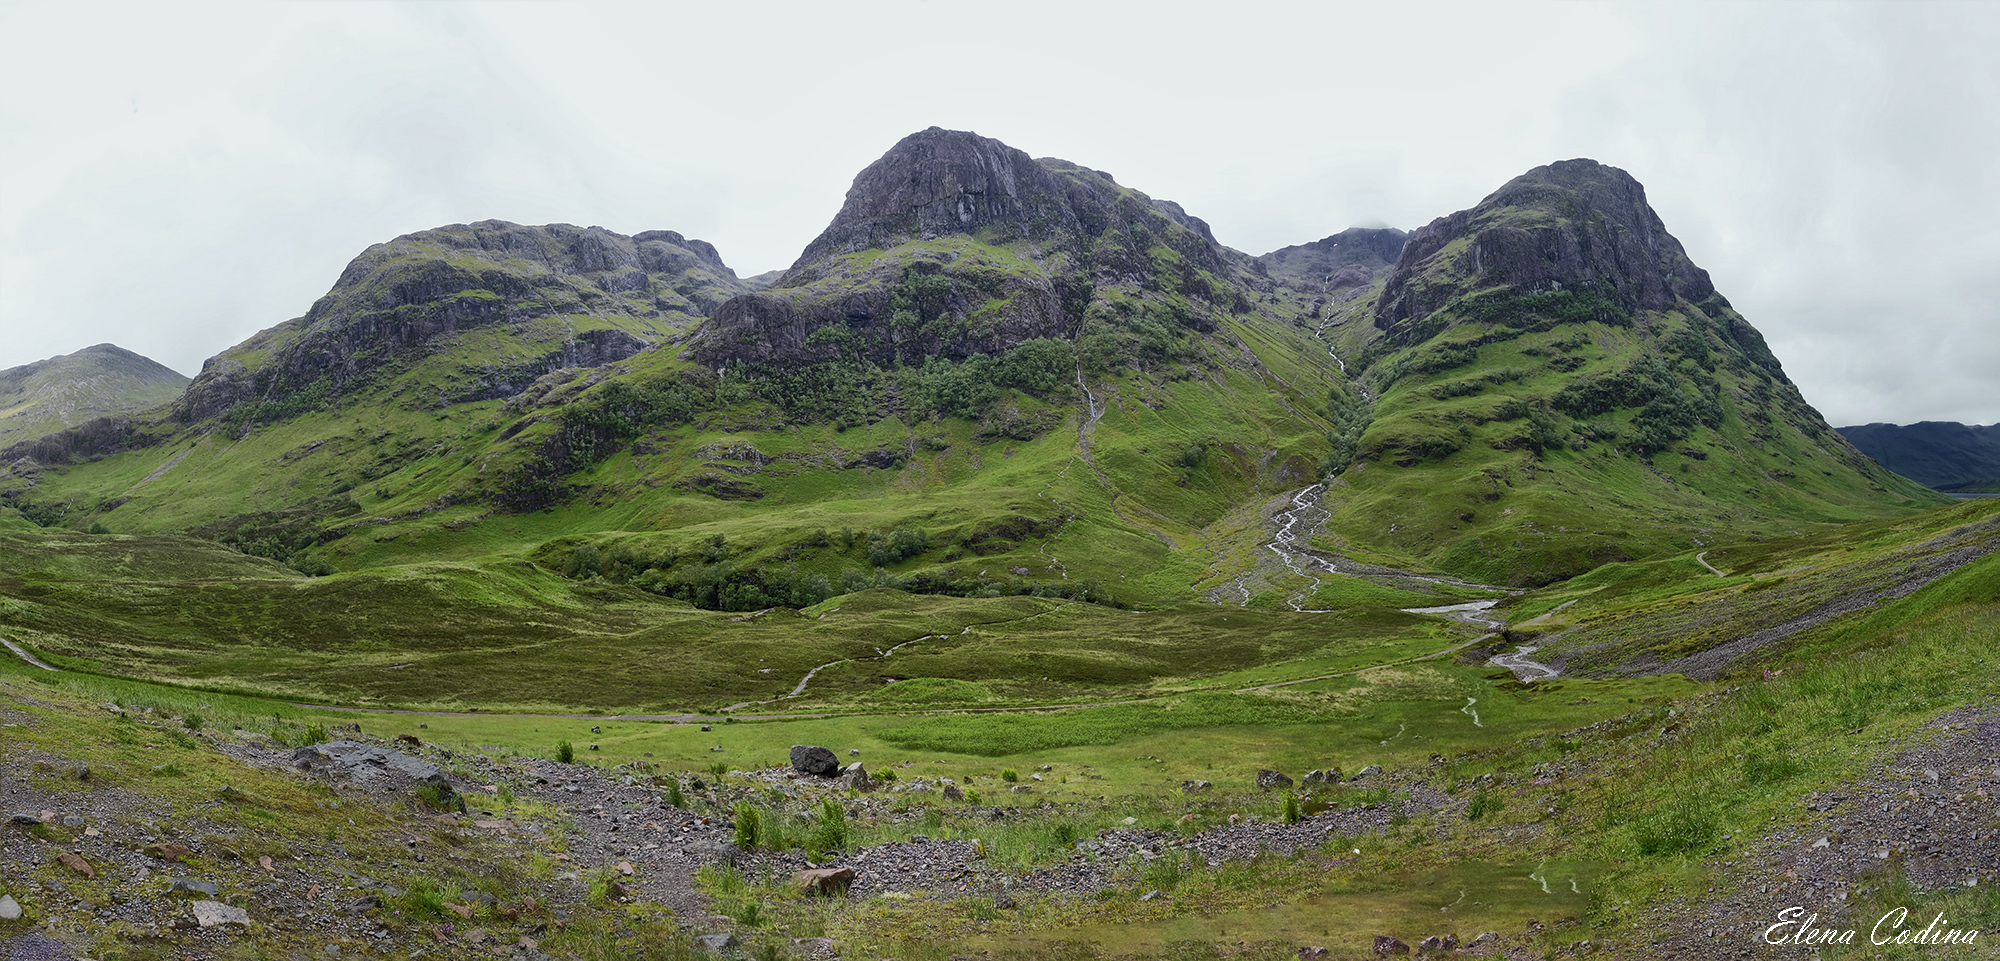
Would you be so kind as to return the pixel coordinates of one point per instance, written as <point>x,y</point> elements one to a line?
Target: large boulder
<point>811,759</point>
<point>826,881</point>
<point>1269,780</point>
<point>376,767</point>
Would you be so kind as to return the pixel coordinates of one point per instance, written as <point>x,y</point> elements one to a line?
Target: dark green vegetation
<point>1017,466</point>
<point>1947,456</point>
<point>102,381</point>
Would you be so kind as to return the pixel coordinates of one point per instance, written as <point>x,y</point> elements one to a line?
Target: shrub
<point>749,826</point>
<point>674,795</point>
<point>1291,810</point>
<point>565,752</point>
<point>829,831</point>
<point>1484,804</point>
<point>315,734</point>
<point>1009,775</point>
<point>193,722</point>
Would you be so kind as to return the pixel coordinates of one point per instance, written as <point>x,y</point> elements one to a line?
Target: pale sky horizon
<point>178,177</point>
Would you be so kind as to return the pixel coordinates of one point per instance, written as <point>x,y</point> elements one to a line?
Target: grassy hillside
<point>1551,394</point>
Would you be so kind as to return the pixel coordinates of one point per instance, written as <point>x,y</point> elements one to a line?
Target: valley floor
<point>112,855</point>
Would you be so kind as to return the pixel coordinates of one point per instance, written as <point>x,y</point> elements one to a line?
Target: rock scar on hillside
<point>1985,537</point>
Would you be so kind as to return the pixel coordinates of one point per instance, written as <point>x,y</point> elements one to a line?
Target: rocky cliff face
<point>1577,224</point>
<point>1351,258</point>
<point>954,244</point>
<point>608,296</point>
<point>940,182</point>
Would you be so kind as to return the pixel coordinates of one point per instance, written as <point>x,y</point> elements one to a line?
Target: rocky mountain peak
<point>938,182</point>
<point>1575,224</point>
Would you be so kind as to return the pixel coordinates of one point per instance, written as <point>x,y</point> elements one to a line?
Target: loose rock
<point>210,914</point>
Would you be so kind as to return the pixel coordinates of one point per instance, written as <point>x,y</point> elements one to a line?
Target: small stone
<point>72,821</point>
<point>1822,842</point>
<point>185,886</point>
<point>952,793</point>
<point>1269,780</point>
<point>625,868</point>
<point>75,863</point>
<point>1386,945</point>
<point>26,820</point>
<point>10,909</point>
<point>210,914</point>
<point>363,905</point>
<point>716,942</point>
<point>853,752</point>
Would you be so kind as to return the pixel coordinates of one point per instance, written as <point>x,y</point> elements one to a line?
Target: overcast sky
<point>175,177</point>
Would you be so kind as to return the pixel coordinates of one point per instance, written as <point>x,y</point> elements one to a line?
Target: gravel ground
<point>1930,809</point>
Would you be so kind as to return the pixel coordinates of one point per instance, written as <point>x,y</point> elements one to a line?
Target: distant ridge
<point>60,392</point>
<point>1944,455</point>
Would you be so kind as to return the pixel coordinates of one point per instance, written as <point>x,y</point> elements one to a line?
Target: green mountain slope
<point>60,392</point>
<point>1559,386</point>
<point>1049,376</point>
<point>1946,456</point>
<point>990,375</point>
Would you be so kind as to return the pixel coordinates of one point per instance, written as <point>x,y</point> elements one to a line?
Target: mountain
<point>1556,384</point>
<point>1943,455</point>
<point>953,245</point>
<point>1037,378</point>
<point>60,392</point>
<point>990,349</point>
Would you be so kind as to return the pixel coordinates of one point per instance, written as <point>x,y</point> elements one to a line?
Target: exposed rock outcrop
<point>982,248</point>
<point>418,293</point>
<point>1568,225</point>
